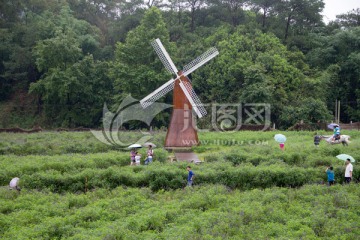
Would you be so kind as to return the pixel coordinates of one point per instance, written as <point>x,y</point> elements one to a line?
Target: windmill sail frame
<point>164,56</point>
<point>158,93</point>
<point>181,131</point>
<point>187,88</point>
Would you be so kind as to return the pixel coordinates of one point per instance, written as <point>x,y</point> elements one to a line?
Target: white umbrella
<point>280,138</point>
<point>135,145</point>
<point>332,125</point>
<point>147,144</point>
<point>344,157</point>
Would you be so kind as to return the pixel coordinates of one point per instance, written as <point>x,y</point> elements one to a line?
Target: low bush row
<point>159,176</point>
<point>55,143</point>
<point>205,212</point>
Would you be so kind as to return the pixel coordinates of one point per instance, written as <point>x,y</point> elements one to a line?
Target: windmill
<point>181,132</point>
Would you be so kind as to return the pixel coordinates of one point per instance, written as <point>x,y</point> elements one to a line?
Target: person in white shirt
<point>150,154</point>
<point>348,171</point>
<point>14,184</point>
<point>137,158</point>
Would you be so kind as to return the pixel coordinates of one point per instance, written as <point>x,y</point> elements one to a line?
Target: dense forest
<point>61,60</point>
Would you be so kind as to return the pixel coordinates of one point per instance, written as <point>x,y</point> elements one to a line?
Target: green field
<point>75,187</point>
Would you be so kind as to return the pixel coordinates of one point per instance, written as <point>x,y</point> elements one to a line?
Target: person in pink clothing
<point>282,146</point>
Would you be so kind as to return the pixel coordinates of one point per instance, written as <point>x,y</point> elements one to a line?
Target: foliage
<point>256,68</point>
<point>45,46</point>
<point>71,77</point>
<point>349,19</point>
<point>210,211</point>
<point>74,187</point>
<point>309,110</point>
<point>242,160</point>
<point>55,143</point>
<point>339,56</point>
<point>69,94</point>
<point>137,70</point>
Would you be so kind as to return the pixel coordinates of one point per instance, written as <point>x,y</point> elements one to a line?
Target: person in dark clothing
<point>330,175</point>
<point>317,140</point>
<point>190,176</point>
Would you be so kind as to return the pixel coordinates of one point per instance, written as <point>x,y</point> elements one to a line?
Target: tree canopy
<point>62,60</point>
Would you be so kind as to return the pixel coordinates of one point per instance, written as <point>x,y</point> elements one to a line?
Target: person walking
<point>150,154</point>
<point>348,171</point>
<point>190,176</point>
<point>132,157</point>
<point>330,175</point>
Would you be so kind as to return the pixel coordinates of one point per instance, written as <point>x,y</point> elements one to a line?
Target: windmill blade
<point>199,61</point>
<point>164,56</point>
<point>193,99</point>
<point>158,93</point>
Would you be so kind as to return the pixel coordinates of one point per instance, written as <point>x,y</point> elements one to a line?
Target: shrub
<point>235,158</point>
<point>212,157</point>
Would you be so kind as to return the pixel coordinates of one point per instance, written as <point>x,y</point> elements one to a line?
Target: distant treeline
<point>60,61</point>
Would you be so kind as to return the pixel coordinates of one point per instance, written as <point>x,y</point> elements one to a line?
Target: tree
<point>154,3</point>
<point>194,6</point>
<point>338,54</point>
<point>49,43</point>
<point>5,82</point>
<point>233,7</point>
<point>22,24</point>
<point>308,110</point>
<point>176,19</point>
<point>137,70</point>
<point>303,14</point>
<point>254,68</point>
<point>73,85</point>
<point>257,87</point>
<point>130,14</point>
<point>349,19</point>
<point>266,8</point>
<point>74,96</point>
<point>10,12</point>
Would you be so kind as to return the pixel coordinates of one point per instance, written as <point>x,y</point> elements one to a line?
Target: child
<point>137,158</point>
<point>282,146</point>
<point>330,175</point>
